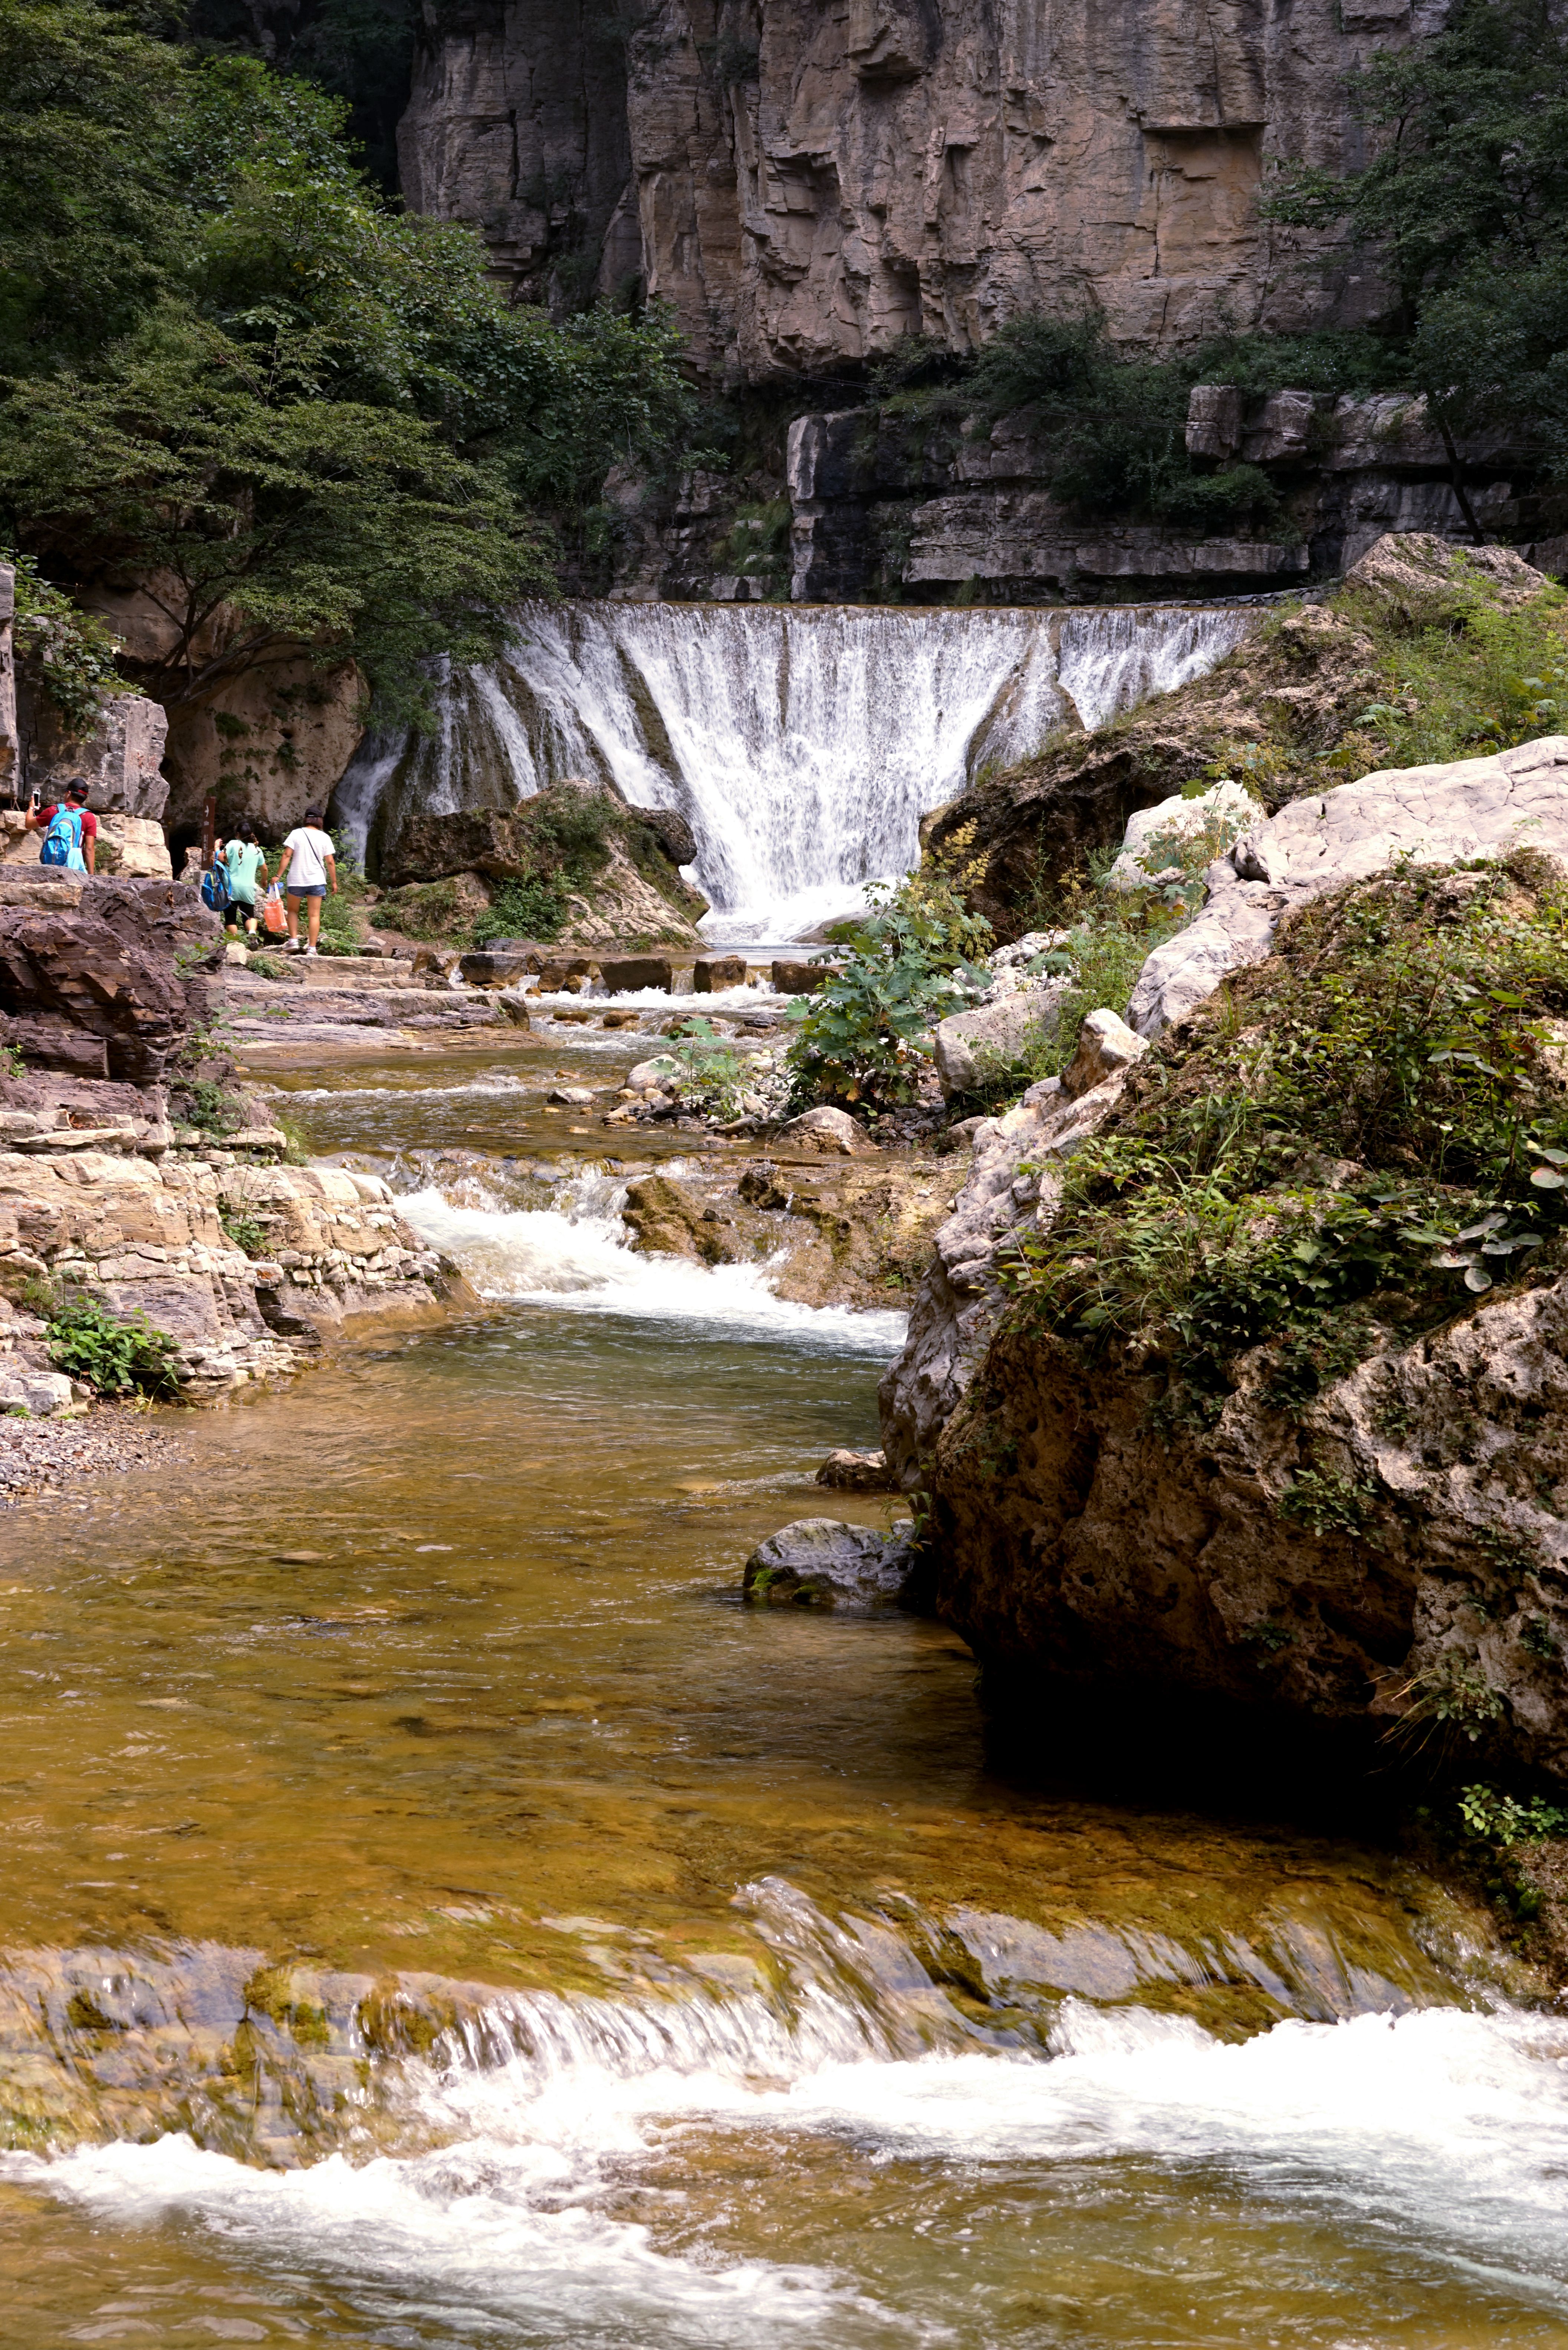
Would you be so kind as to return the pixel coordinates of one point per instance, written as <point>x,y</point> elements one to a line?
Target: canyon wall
<point>806,184</point>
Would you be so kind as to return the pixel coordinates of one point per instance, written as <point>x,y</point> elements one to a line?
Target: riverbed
<point>438,1912</point>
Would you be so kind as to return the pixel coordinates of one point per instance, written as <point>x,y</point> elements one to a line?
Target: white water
<point>1439,2137</point>
<point>576,1256</point>
<point>802,743</point>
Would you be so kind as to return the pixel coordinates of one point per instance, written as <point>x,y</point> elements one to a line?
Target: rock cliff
<point>805,186</point>
<point>1238,1382</point>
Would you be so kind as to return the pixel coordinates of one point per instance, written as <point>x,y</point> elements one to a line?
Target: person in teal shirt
<point>247,879</point>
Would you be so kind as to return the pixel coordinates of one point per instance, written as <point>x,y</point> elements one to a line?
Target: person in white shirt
<point>306,868</point>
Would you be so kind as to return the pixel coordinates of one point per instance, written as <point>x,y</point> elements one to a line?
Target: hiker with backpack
<point>247,867</point>
<point>69,828</point>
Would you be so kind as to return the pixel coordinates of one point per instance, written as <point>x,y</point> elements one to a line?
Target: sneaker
<point>310,950</point>
<point>292,946</point>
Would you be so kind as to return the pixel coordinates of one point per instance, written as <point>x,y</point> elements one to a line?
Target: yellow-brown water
<point>437,1913</point>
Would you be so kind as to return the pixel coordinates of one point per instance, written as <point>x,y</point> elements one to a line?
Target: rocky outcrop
<point>1430,815</point>
<point>1283,703</point>
<point>636,892</point>
<point>806,187</point>
<point>10,740</point>
<point>1014,1182</point>
<point>1084,1543</point>
<point>247,1264</point>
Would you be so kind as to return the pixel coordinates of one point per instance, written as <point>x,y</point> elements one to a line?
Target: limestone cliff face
<point>806,182</point>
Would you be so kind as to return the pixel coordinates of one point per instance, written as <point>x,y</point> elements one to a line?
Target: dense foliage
<point>863,1038</point>
<point>1465,205</point>
<point>114,1354</point>
<point>1372,1126</point>
<point>232,369</point>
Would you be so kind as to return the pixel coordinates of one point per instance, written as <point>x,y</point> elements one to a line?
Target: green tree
<point>1465,205</point>
<point>230,370</point>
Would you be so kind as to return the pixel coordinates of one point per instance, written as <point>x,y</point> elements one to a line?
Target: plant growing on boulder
<point>1354,1137</point>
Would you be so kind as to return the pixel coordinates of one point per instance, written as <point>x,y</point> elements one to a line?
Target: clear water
<point>437,1913</point>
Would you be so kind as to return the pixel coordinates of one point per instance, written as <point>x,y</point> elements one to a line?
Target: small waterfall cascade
<point>804,744</point>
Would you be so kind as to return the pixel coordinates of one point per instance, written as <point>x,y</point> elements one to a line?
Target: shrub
<point>115,1354</point>
<point>862,1038</point>
<point>1394,1036</point>
<point>1497,1819</point>
<point>523,909</point>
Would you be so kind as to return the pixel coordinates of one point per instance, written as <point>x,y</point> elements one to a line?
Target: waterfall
<point>802,743</point>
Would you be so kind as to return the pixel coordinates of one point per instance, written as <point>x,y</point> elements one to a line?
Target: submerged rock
<point>823,1562</point>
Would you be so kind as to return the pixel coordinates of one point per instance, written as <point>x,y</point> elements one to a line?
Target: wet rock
<point>711,973</point>
<point>571,1097</point>
<point>667,1220</point>
<point>856,1473</point>
<point>629,974</point>
<point>823,1563</point>
<point>671,831</point>
<point>799,978</point>
<point>491,968</point>
<point>832,1133</point>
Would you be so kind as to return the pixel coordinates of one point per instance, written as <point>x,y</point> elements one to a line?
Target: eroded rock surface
<point>1433,815</point>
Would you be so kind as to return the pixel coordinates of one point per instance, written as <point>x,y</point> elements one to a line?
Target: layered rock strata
<point>246,1264</point>
<point>805,187</point>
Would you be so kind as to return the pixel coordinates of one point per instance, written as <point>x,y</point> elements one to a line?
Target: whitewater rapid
<point>802,743</point>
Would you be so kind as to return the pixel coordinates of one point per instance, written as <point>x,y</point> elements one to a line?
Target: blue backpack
<point>63,841</point>
<point>215,890</point>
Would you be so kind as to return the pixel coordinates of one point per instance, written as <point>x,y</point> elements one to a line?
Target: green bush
<point>1366,1118</point>
<point>114,1354</point>
<point>523,909</point>
<point>861,1039</point>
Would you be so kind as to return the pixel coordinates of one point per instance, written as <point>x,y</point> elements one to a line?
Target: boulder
<point>667,1220</point>
<point>570,1097</point>
<point>832,1133</point>
<point>799,978</point>
<point>856,1473</point>
<point>1107,1046</point>
<point>487,968</point>
<point>973,1046</point>
<point>711,973</point>
<point>38,1392</point>
<point>563,974</point>
<point>1439,815</point>
<point>115,971</point>
<point>1420,576</point>
<point>1172,825</point>
<point>631,974</point>
<point>823,1563</point>
<point>671,831</point>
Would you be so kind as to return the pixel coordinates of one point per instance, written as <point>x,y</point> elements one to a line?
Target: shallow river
<point>437,1913</point>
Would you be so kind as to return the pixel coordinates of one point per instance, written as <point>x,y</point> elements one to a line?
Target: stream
<point>438,1913</point>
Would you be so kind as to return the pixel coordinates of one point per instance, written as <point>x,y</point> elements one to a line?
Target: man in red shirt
<point>38,819</point>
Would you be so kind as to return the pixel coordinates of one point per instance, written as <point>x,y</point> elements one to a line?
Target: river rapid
<point>437,1913</point>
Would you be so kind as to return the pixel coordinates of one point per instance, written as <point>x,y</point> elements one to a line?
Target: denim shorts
<point>306,888</point>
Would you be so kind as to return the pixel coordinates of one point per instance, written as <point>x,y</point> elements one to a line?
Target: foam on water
<point>576,1256</point>
<point>1446,2129</point>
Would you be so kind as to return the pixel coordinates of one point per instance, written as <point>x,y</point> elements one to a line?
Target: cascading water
<point>804,744</point>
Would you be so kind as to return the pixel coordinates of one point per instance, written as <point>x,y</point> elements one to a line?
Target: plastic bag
<point>275,921</point>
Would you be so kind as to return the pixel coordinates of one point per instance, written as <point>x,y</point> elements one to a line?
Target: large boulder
<point>971,1047</point>
<point>1434,816</point>
<point>113,987</point>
